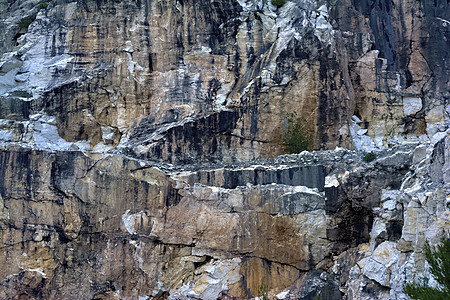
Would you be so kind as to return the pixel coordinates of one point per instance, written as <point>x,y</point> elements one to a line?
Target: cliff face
<point>129,132</point>
<point>180,81</point>
<point>323,223</point>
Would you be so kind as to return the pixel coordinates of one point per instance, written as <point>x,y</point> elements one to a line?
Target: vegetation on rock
<point>43,5</point>
<point>264,291</point>
<point>369,157</point>
<point>25,22</point>
<point>439,260</point>
<point>298,135</point>
<point>278,3</point>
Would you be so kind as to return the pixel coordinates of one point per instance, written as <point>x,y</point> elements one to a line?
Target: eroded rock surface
<point>99,226</point>
<point>182,81</point>
<point>139,145</point>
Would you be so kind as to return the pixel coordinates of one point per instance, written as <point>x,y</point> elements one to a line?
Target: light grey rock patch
<point>411,105</point>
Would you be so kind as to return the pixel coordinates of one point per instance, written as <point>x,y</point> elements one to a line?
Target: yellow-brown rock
<point>139,145</point>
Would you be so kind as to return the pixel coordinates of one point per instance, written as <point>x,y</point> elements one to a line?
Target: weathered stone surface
<point>129,132</point>
<point>178,237</point>
<point>421,213</point>
<point>411,105</point>
<point>183,81</point>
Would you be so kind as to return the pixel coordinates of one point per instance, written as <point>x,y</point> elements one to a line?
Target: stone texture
<point>185,81</point>
<point>179,234</point>
<point>411,105</point>
<point>139,145</point>
<point>421,214</point>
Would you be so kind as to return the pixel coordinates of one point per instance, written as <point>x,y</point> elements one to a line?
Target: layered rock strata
<point>139,145</point>
<point>182,81</point>
<point>320,223</point>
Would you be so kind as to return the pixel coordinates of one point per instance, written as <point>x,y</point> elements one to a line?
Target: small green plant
<point>43,5</point>
<point>264,290</point>
<point>25,22</point>
<point>369,157</point>
<point>298,135</point>
<point>439,260</point>
<point>278,3</point>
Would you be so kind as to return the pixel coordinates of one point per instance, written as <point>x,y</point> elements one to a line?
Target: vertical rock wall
<point>140,76</point>
<point>129,132</point>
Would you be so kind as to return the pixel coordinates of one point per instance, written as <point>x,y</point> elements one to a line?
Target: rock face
<point>322,223</point>
<point>139,145</point>
<point>183,81</point>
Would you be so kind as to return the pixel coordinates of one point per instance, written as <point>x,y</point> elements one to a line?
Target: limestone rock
<point>140,148</point>
<point>411,105</point>
<point>180,82</point>
<point>210,240</point>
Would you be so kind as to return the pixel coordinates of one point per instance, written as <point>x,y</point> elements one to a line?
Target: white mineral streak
<point>35,68</point>
<point>38,270</point>
<point>282,295</point>
<point>210,280</point>
<point>129,221</point>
